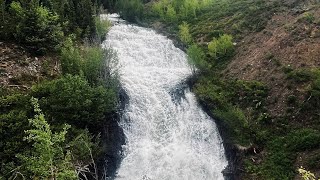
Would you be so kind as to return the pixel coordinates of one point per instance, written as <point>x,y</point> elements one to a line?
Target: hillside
<point>264,92</point>
<point>58,97</point>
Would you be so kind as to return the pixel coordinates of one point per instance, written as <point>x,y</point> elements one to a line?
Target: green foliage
<point>224,98</point>
<point>184,33</point>
<point>171,15</point>
<point>301,75</point>
<point>178,10</point>
<point>14,110</point>
<point>306,175</point>
<point>72,100</point>
<point>279,161</point>
<point>303,139</point>
<point>41,25</point>
<point>312,78</point>
<point>313,161</point>
<point>102,27</point>
<point>130,10</point>
<point>46,159</point>
<point>96,64</point>
<point>36,27</point>
<point>237,18</point>
<point>282,152</point>
<point>85,146</point>
<point>70,58</point>
<point>307,17</point>
<point>196,58</point>
<point>236,122</point>
<point>221,47</point>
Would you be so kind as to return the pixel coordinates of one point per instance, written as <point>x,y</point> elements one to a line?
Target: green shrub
<point>301,75</point>
<point>278,164</point>
<point>313,161</point>
<point>102,27</point>
<point>196,58</point>
<point>291,100</point>
<point>287,69</point>
<point>184,33</point>
<point>221,47</point>
<point>71,58</point>
<point>85,146</point>
<point>130,10</point>
<point>282,152</point>
<point>71,100</point>
<point>171,14</point>
<point>308,17</point>
<point>96,64</point>
<point>236,122</point>
<point>99,66</point>
<point>46,159</point>
<point>303,139</point>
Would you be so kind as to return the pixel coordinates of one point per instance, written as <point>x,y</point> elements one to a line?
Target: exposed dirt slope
<point>19,69</point>
<point>289,40</point>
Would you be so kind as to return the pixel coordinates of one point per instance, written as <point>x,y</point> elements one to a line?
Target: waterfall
<point>168,136</point>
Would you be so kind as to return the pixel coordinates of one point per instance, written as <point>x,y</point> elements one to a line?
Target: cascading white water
<point>166,138</point>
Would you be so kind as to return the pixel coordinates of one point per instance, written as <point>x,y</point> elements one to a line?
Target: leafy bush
<point>46,159</point>
<point>301,75</point>
<point>96,64</point>
<point>196,58</point>
<point>184,33</point>
<point>177,10</point>
<point>102,27</point>
<point>171,14</point>
<point>236,121</point>
<point>308,17</point>
<point>71,100</point>
<point>71,58</point>
<point>221,47</point>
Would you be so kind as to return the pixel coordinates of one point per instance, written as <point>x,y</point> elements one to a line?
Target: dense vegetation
<point>208,30</point>
<point>53,130</point>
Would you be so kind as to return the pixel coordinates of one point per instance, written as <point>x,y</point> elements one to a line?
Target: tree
<point>184,33</point>
<point>46,159</point>
<point>36,26</point>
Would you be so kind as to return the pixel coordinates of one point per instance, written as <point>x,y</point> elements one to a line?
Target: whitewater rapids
<point>168,136</point>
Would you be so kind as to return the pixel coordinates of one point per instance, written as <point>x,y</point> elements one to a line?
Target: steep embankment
<point>267,95</point>
<point>291,39</point>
